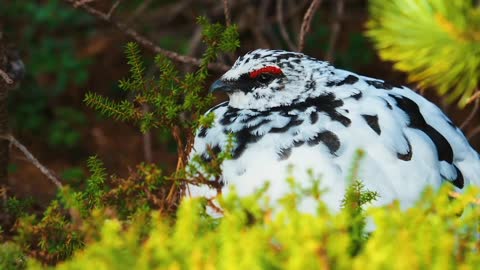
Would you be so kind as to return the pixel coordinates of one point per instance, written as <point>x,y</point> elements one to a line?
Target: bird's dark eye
<point>265,78</point>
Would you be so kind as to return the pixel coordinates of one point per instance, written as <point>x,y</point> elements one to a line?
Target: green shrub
<point>428,236</point>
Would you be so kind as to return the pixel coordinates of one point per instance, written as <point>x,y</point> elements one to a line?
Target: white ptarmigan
<point>287,108</point>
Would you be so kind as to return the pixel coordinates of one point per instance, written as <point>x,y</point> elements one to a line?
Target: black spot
<point>388,105</point>
<point>336,116</point>
<point>286,56</point>
<point>216,150</point>
<point>284,153</point>
<point>298,143</point>
<point>205,158</point>
<point>458,181</point>
<point>313,117</point>
<point>417,121</point>
<point>407,156</point>
<point>330,83</point>
<point>379,84</point>
<point>294,121</point>
<point>357,96</point>
<point>326,103</point>
<point>229,116</point>
<point>372,121</point>
<point>328,138</point>
<point>243,138</point>
<point>256,56</point>
<point>350,79</point>
<point>310,85</point>
<point>451,123</point>
<point>202,132</point>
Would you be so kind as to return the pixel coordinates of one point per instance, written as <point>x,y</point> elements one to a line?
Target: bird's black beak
<point>220,86</point>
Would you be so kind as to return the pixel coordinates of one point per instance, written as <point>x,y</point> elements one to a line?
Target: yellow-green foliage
<point>254,236</point>
<point>436,42</point>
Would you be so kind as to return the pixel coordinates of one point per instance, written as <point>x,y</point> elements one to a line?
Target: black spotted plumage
<point>289,113</point>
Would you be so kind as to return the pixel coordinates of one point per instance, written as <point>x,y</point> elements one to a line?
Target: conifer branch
<point>120,111</point>
<point>144,41</point>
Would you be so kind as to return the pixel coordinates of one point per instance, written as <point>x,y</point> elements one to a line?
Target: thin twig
<point>138,11</point>
<point>147,43</point>
<point>33,160</point>
<point>226,10</point>
<point>81,2</point>
<point>472,113</point>
<point>5,77</point>
<point>307,20</point>
<point>283,28</point>
<point>113,8</point>
<point>147,140</point>
<point>473,132</point>
<point>474,97</point>
<point>454,194</point>
<point>330,57</point>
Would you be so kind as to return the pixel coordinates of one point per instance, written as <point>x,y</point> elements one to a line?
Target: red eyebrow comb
<point>268,69</point>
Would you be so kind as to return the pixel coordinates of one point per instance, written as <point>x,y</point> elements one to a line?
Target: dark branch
<point>147,43</point>
<point>330,57</point>
<point>307,20</point>
<point>32,159</point>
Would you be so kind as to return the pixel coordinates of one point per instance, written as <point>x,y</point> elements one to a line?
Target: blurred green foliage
<point>436,42</point>
<point>49,32</point>
<point>254,235</point>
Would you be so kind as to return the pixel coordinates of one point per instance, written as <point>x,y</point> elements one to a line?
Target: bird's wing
<point>408,120</point>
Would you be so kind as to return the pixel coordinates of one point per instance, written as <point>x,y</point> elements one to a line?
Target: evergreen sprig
<point>436,42</point>
<point>172,100</point>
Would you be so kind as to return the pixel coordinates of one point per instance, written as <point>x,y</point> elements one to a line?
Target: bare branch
<point>474,132</point>
<point>474,97</point>
<point>113,8</point>
<point>283,29</point>
<point>330,57</point>
<point>139,11</point>
<point>307,20</point>
<point>474,110</point>
<point>147,43</point>
<point>32,159</point>
<point>147,140</point>
<point>82,2</point>
<point>5,77</point>
<point>226,10</point>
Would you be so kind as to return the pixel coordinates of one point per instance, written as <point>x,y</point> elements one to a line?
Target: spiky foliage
<point>172,98</point>
<point>356,198</point>
<point>251,236</point>
<point>436,42</point>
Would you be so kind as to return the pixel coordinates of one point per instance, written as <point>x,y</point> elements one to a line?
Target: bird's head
<point>263,79</point>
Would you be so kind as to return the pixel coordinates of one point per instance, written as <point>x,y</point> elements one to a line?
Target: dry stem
<point>33,160</point>
<point>5,77</point>
<point>147,43</point>
<point>307,20</point>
